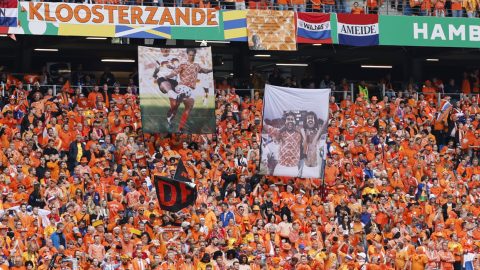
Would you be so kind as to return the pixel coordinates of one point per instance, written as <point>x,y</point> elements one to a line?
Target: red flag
<point>66,87</point>
<point>30,79</point>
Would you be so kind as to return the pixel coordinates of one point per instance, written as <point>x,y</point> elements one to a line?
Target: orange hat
<point>340,187</point>
<point>363,130</point>
<point>359,99</point>
<point>428,147</point>
<point>408,238</point>
<point>427,81</point>
<point>276,260</point>
<point>476,132</point>
<point>246,220</point>
<point>374,98</point>
<point>171,168</point>
<point>287,246</point>
<point>84,159</point>
<point>477,244</point>
<point>124,157</point>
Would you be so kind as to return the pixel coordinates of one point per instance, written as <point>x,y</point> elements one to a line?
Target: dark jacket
<point>73,151</point>
<point>445,208</point>
<point>26,122</point>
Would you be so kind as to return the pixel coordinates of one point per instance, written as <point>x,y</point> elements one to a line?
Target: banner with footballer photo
<point>294,131</point>
<point>177,93</point>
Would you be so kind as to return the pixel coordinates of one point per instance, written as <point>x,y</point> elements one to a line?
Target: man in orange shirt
<point>92,97</point>
<point>429,92</point>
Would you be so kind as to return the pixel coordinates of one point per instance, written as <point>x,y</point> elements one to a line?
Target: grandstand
<point>81,166</point>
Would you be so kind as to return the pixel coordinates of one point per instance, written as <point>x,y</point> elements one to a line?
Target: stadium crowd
<point>435,8</point>
<point>401,188</point>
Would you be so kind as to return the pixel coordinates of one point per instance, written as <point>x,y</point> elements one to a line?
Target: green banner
<point>429,31</point>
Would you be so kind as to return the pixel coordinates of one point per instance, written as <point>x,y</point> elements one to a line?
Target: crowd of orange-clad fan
<point>401,186</point>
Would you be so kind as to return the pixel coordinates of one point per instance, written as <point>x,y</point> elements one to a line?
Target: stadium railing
<point>57,88</point>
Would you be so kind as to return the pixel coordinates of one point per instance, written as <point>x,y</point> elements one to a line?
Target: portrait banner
<point>294,131</point>
<point>271,30</point>
<point>177,90</point>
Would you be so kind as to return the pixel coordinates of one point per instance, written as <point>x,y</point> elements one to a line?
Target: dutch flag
<point>313,28</point>
<point>357,29</point>
<point>468,261</point>
<point>8,15</point>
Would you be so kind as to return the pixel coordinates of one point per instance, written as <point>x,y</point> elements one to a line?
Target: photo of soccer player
<point>172,81</point>
<point>294,139</point>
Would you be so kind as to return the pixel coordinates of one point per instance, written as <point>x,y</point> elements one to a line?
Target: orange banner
<point>271,30</point>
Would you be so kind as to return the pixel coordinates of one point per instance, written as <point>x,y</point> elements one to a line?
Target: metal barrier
<point>54,87</point>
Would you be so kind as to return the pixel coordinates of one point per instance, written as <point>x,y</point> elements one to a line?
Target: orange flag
<point>11,80</point>
<point>30,79</point>
<point>12,36</point>
<point>66,87</point>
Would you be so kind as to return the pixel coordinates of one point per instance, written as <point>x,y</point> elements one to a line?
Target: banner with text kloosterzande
<point>271,30</point>
<point>294,131</point>
<point>121,15</point>
<point>70,19</point>
<point>177,90</point>
<point>429,31</point>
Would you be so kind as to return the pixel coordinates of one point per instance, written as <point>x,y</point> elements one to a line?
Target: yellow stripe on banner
<point>234,15</point>
<point>235,33</point>
<point>151,31</point>
<point>158,33</point>
<point>86,30</point>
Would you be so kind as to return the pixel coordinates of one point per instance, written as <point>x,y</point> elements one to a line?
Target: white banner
<point>294,131</point>
<point>120,15</point>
